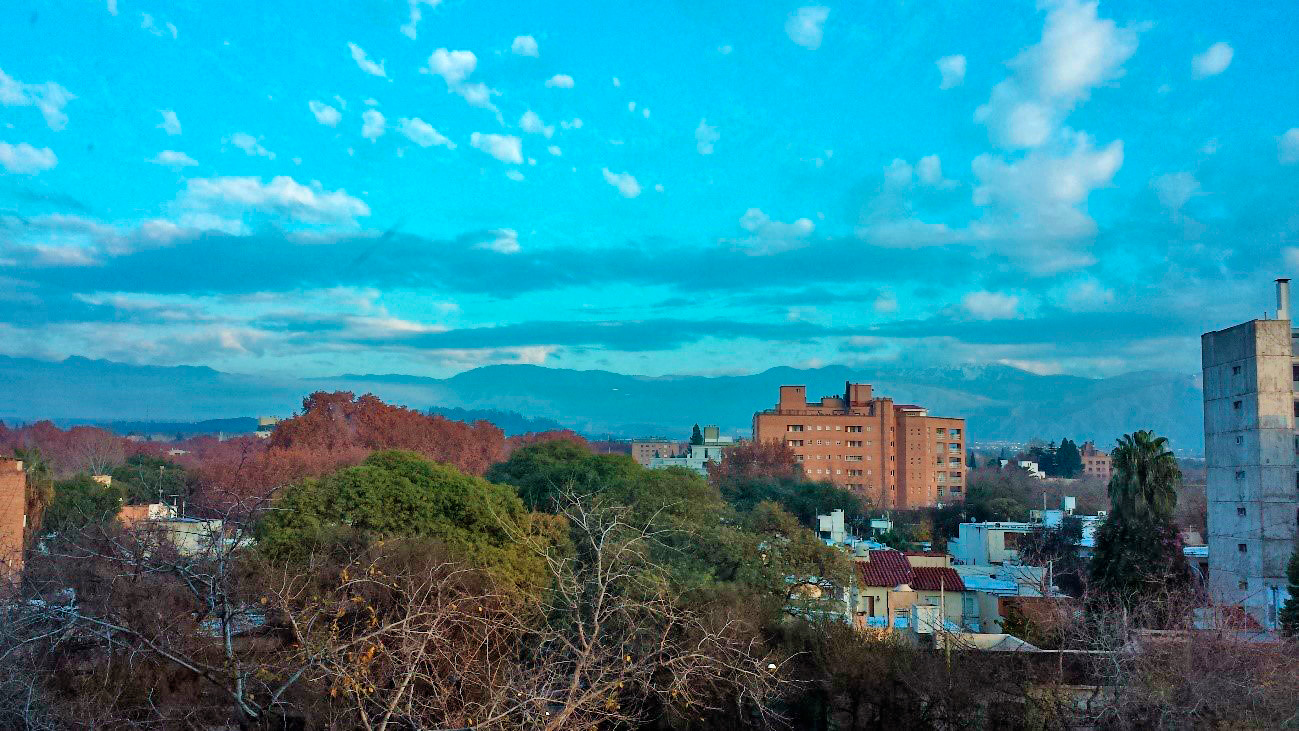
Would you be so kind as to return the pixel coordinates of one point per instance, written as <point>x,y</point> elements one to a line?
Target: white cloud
<point>422,133</point>
<point>250,145</point>
<point>364,62</point>
<point>1034,204</point>
<point>532,124</point>
<point>453,66</point>
<point>705,137</point>
<point>24,159</point>
<point>930,170</point>
<point>554,150</point>
<point>282,196</point>
<point>885,303</point>
<point>324,113</point>
<point>373,124</point>
<point>644,112</point>
<point>1288,147</point>
<point>658,187</point>
<point>952,69</point>
<point>501,240</point>
<point>148,23</point>
<point>514,175</point>
<point>173,159</point>
<point>574,123</point>
<point>624,182</point>
<point>560,81</point>
<point>1290,255</point>
<point>725,50</point>
<point>1088,295</point>
<point>170,122</point>
<point>1214,60</point>
<point>984,305</point>
<point>617,82</point>
<point>49,98</point>
<point>112,7</point>
<point>1078,52</point>
<point>898,173</point>
<point>416,14</point>
<point>804,26</point>
<point>505,148</point>
<point>1175,189</point>
<point>524,46</point>
<point>769,237</point>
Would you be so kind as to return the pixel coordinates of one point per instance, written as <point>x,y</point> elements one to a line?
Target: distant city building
<point>895,454</point>
<point>644,450</point>
<point>1095,462</point>
<point>13,520</point>
<point>988,544</point>
<point>266,425</point>
<point>1028,465</point>
<point>697,456</point>
<point>1250,375</point>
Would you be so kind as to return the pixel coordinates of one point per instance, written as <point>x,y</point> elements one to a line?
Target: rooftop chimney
<point>1283,299</point>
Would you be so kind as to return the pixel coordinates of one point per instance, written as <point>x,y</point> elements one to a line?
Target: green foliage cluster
<point>80,502</point>
<point>1138,557</point>
<point>148,479</point>
<point>398,494</point>
<point>752,538</point>
<point>1290,612</point>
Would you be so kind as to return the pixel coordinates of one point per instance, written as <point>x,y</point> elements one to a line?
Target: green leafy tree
<point>696,436</point>
<point>1138,558</point>
<point>1068,461</point>
<point>543,472</point>
<point>80,502</point>
<point>397,494</point>
<point>803,498</point>
<point>1290,612</point>
<point>149,479</point>
<point>1057,547</point>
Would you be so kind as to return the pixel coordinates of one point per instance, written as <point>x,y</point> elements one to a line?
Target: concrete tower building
<point>1250,441</point>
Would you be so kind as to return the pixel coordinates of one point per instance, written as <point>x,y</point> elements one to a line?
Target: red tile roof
<point>885,568</point>
<point>935,578</point>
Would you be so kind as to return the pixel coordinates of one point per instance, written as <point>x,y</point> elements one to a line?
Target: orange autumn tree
<point>339,421</point>
<point>755,460</point>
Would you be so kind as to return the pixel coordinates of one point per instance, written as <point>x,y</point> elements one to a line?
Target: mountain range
<point>1000,403</point>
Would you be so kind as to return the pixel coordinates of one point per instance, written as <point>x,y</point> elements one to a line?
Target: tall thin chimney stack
<point>1283,299</point>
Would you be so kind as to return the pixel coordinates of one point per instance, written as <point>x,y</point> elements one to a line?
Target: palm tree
<point>1146,476</point>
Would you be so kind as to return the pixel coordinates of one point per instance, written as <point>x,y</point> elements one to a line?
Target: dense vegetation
<point>380,568</point>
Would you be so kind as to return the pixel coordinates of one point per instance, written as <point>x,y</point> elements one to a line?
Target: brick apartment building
<point>1095,462</point>
<point>897,455</point>
<point>646,450</point>
<point>13,519</point>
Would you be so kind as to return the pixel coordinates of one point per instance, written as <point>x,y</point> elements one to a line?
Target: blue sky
<point>654,188</point>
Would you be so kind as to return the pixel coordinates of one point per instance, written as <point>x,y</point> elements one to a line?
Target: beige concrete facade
<point>1250,443</point>
<point>895,454</point>
<point>643,451</point>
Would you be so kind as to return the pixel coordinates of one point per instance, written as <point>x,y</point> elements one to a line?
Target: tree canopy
<point>397,494</point>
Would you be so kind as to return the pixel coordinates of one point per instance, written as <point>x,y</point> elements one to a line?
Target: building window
<point>954,433</point>
<point>940,432</point>
<point>852,458</point>
<point>1243,584</point>
<point>852,443</point>
<point>794,427</point>
<point>795,442</point>
<point>1241,440</point>
<point>955,490</point>
<point>1235,370</point>
<point>1240,511</point>
<point>1294,372</point>
<point>855,429</point>
<point>1235,405</point>
<point>1240,474</point>
<point>1242,548</point>
<point>837,427</point>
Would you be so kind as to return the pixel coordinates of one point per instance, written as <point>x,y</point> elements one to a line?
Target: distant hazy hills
<point>999,402</point>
